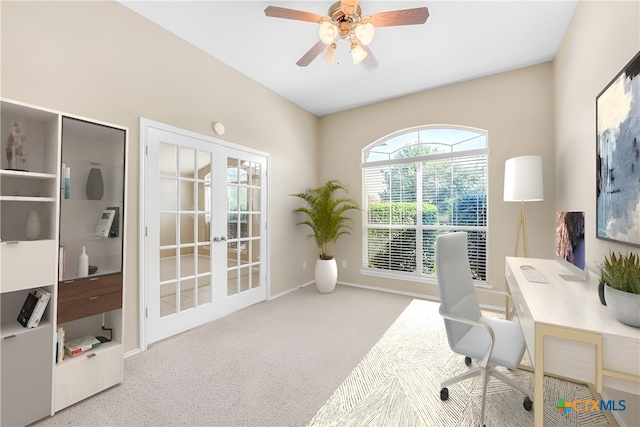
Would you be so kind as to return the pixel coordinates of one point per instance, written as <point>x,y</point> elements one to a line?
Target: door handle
<point>216,239</point>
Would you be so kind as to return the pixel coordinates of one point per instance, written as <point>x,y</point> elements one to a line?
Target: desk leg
<point>538,391</point>
<point>542,330</point>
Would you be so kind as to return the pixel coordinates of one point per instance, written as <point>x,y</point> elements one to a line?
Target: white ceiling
<point>461,40</point>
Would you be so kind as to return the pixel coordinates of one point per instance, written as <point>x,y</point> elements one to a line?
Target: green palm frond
<point>325,215</point>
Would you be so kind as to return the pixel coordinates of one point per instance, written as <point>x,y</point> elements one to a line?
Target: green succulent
<point>325,215</point>
<point>622,272</point>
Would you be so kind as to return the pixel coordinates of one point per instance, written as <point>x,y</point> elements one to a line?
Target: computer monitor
<point>570,245</point>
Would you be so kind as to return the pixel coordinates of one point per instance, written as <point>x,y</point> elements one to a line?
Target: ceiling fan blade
<point>348,7</point>
<point>392,18</point>
<point>298,15</point>
<point>311,54</point>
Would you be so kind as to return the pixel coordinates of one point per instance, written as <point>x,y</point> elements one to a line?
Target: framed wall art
<point>618,157</point>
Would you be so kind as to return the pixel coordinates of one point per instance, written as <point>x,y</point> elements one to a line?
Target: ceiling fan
<point>345,21</point>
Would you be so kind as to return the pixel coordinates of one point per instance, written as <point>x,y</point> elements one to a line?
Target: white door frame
<point>145,125</point>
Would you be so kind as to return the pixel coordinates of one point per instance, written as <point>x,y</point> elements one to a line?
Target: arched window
<point>417,184</point>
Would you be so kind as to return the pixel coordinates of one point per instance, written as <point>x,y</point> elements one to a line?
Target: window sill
<point>412,277</point>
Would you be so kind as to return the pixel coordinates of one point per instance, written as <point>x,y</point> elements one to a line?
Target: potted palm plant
<point>325,215</point>
<point>621,276</point>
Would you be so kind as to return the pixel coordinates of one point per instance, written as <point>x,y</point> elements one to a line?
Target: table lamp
<point>523,183</point>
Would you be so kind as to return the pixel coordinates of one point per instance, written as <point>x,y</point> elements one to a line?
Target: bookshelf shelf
<point>34,385</point>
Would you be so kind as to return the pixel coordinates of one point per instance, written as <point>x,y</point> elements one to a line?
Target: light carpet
<point>398,384</point>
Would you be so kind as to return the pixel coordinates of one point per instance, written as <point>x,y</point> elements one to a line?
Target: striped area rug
<point>398,384</point>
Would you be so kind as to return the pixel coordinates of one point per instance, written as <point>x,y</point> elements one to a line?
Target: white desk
<point>569,333</point>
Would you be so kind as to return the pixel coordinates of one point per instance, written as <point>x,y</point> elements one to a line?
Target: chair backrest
<point>457,293</point>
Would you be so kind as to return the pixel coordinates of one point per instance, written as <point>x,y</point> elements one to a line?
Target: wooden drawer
<point>86,297</point>
<point>27,264</point>
<point>81,289</point>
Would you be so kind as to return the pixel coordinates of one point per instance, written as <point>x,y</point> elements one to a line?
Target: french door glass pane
<point>168,299</point>
<point>187,228</point>
<point>244,279</point>
<point>255,225</point>
<point>168,268</point>
<point>168,159</point>
<point>204,228</point>
<point>204,165</point>
<point>232,192</point>
<point>255,175</point>
<point>204,259</point>
<point>244,172</point>
<point>168,194</point>
<point>187,162</point>
<point>187,262</point>
<point>168,229</point>
<point>255,200</point>
<point>187,195</point>
<point>187,294</point>
<point>255,251</point>
<point>232,170</point>
<point>232,254</point>
<point>232,282</point>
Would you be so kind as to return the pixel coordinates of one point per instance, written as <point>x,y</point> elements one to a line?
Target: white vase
<point>32,225</point>
<point>623,305</point>
<point>326,275</point>
<point>83,263</point>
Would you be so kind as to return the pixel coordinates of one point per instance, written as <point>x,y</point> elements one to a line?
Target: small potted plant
<point>621,276</point>
<point>325,215</point>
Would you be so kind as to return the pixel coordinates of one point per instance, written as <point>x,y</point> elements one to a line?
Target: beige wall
<point>103,61</point>
<point>602,38</point>
<point>514,107</point>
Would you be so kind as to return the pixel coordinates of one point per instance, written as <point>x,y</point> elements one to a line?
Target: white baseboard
<point>499,309</point>
<point>295,288</point>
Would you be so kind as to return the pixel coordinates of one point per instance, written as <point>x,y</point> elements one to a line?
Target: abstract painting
<point>618,157</point>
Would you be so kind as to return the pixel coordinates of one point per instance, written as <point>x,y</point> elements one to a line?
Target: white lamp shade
<point>523,179</point>
<point>364,33</point>
<point>328,32</point>
<point>357,53</point>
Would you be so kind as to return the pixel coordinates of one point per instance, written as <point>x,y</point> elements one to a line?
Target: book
<point>43,299</point>
<point>60,344</point>
<point>27,309</point>
<point>61,263</point>
<point>81,345</point>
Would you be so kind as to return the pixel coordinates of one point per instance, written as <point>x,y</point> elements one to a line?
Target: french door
<point>205,243</point>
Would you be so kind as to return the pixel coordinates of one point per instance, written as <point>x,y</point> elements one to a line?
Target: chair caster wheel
<point>528,404</point>
<point>444,394</point>
<point>467,361</point>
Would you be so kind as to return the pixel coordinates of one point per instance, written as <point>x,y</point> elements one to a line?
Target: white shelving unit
<point>33,384</point>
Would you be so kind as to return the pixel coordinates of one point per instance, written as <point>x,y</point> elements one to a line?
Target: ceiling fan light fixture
<point>357,53</point>
<point>364,33</point>
<point>328,32</point>
<point>330,53</point>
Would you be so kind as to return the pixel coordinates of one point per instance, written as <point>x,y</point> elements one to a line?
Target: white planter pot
<point>624,306</point>
<point>326,275</point>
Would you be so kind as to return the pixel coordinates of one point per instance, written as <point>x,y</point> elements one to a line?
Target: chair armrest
<point>487,328</point>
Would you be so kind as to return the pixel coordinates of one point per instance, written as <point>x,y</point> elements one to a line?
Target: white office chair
<point>490,341</point>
